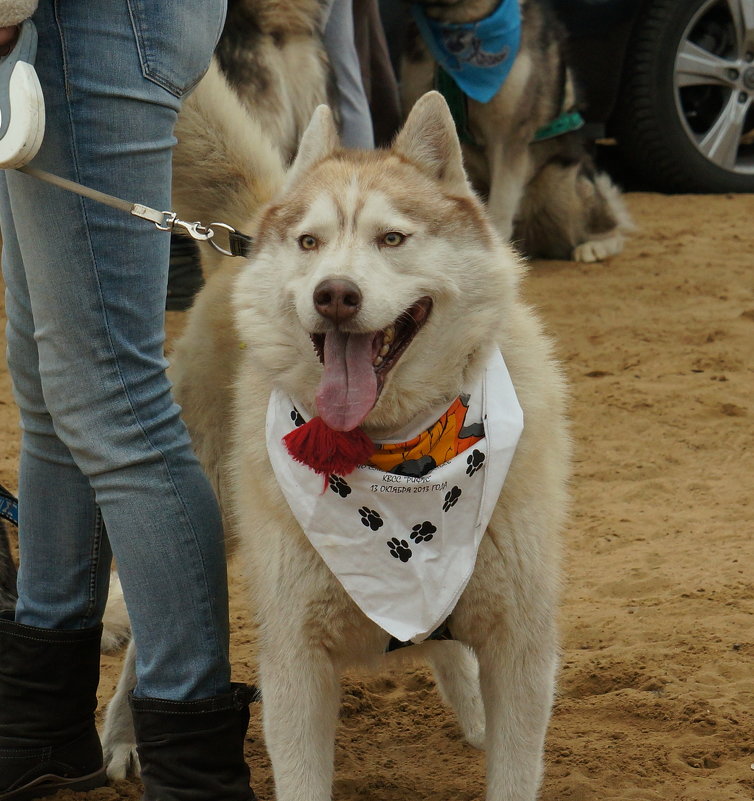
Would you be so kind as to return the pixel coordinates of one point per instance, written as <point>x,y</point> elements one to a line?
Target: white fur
<point>118,740</point>
<point>116,627</point>
<point>499,672</point>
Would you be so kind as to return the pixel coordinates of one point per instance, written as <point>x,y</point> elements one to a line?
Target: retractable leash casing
<point>22,111</point>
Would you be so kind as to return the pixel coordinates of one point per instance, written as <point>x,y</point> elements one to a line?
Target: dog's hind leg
<point>608,220</point>
<point>118,737</point>
<point>301,699</point>
<point>456,673</point>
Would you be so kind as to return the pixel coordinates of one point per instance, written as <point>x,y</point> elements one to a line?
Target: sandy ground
<point>656,691</point>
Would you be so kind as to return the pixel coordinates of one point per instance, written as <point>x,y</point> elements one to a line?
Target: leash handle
<point>22,108</point>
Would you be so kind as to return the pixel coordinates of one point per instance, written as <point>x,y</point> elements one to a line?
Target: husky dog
<point>377,293</point>
<point>546,194</point>
<point>273,57</point>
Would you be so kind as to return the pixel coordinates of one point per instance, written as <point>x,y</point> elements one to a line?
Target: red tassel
<point>326,451</point>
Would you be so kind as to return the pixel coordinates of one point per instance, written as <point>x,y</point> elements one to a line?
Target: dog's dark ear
<point>320,139</point>
<point>429,140</point>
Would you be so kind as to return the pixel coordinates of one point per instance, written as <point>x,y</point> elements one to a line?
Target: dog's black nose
<point>337,299</point>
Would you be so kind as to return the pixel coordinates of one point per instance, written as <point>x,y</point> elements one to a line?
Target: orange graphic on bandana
<point>438,444</point>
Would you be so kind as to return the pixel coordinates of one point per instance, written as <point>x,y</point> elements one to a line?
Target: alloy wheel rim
<point>713,83</point>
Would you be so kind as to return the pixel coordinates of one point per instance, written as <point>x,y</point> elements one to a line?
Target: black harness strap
<point>442,632</point>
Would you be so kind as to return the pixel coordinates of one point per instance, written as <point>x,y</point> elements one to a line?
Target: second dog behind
<point>542,188</point>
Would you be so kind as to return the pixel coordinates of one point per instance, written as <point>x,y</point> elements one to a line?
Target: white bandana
<point>403,546</point>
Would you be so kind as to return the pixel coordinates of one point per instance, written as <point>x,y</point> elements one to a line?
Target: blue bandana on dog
<point>477,55</point>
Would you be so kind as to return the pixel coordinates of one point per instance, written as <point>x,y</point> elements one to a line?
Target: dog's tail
<point>225,168</point>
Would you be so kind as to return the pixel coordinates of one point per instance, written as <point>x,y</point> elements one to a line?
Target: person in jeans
<point>107,467</point>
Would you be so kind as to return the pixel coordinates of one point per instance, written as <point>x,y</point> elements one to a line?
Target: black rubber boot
<point>48,695</point>
<point>193,750</point>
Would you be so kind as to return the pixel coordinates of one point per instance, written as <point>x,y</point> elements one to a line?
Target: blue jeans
<point>106,461</point>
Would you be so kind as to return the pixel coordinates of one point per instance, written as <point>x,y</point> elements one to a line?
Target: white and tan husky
<point>421,291</point>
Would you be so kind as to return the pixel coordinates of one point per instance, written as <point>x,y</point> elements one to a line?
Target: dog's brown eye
<point>307,242</point>
<point>392,239</point>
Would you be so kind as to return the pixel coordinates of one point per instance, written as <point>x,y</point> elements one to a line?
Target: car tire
<point>687,98</point>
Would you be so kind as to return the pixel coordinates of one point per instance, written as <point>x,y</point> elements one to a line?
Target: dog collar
<point>404,546</point>
<point>568,121</point>
<point>477,55</point>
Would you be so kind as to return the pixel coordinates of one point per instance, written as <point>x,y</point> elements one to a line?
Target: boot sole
<point>49,784</point>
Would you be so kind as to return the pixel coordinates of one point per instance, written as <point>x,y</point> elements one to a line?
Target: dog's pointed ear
<point>429,140</point>
<point>320,139</point>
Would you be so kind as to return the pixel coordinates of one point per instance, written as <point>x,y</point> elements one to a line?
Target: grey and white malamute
<point>522,145</point>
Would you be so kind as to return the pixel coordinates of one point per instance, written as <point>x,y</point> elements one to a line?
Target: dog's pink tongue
<point>348,389</point>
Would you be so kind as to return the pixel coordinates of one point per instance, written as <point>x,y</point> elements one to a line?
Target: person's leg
<point>96,280</point>
<point>103,443</point>
<point>70,569</point>
<point>338,37</point>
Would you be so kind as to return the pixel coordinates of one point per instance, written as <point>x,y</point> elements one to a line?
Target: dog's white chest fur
<point>404,547</point>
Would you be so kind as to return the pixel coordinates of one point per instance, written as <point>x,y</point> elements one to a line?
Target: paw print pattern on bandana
<point>399,549</point>
<point>475,460</point>
<point>451,498</point>
<point>423,532</point>
<point>370,518</point>
<point>298,420</point>
<point>338,485</point>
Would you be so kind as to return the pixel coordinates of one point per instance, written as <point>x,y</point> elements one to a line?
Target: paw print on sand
<point>475,460</point>
<point>451,498</point>
<point>423,532</point>
<point>339,485</point>
<point>370,518</point>
<point>399,549</point>
<point>298,420</point>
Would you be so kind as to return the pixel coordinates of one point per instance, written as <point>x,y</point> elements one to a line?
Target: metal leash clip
<point>194,229</point>
<point>239,244</point>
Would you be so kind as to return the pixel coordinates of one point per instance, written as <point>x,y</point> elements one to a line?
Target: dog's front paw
<point>598,249</point>
<point>121,761</point>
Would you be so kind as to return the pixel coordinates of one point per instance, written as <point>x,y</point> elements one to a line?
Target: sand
<point>656,689</point>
